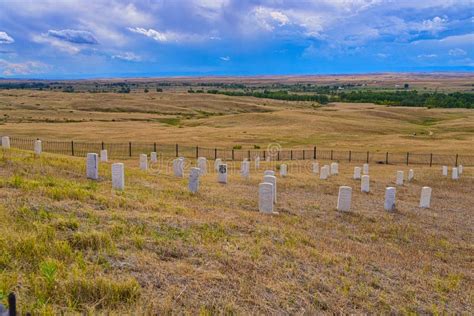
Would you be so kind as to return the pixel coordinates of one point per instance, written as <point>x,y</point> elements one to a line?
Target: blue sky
<point>89,39</point>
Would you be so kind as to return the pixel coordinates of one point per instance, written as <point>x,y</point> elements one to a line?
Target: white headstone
<point>265,197</point>
<point>103,155</point>
<point>283,170</point>
<point>202,165</point>
<point>357,173</point>
<point>334,168</point>
<point>178,167</point>
<point>455,174</point>
<point>425,198</point>
<point>92,165</point>
<point>315,166</point>
<point>143,162</point>
<point>269,173</point>
<point>194,180</point>
<point>411,175</point>
<point>257,163</point>
<point>222,173</point>
<point>38,147</point>
<point>245,168</point>
<point>399,180</point>
<point>217,162</point>
<point>323,175</point>
<point>445,171</point>
<point>365,184</point>
<point>273,181</point>
<point>118,176</point>
<point>344,199</point>
<point>460,169</point>
<point>365,168</point>
<point>5,142</point>
<point>389,204</point>
<point>153,157</point>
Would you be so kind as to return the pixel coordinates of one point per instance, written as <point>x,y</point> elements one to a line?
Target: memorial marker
<point>323,175</point>
<point>425,199</point>
<point>460,169</point>
<point>38,147</point>
<point>283,170</point>
<point>92,166</point>
<point>202,165</point>
<point>273,181</point>
<point>411,175</point>
<point>103,155</point>
<point>344,199</point>
<point>222,173</point>
<point>118,176</point>
<point>365,184</point>
<point>357,173</point>
<point>265,198</point>
<point>389,204</point>
<point>194,180</point>
<point>334,168</point>
<point>315,167</point>
<point>455,174</point>
<point>143,162</point>
<point>269,173</point>
<point>245,168</point>
<point>153,157</point>
<point>5,142</point>
<point>257,163</point>
<point>399,180</point>
<point>365,168</point>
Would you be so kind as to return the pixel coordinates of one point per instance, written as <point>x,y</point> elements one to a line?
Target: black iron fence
<point>274,153</point>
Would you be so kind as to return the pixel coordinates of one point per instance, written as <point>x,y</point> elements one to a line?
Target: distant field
<point>223,121</point>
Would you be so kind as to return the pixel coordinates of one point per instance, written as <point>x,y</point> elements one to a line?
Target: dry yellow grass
<point>156,248</point>
<point>222,121</point>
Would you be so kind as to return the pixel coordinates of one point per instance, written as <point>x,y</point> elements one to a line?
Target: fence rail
<point>133,149</point>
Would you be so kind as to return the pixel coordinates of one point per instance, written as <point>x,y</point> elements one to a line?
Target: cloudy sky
<point>85,39</point>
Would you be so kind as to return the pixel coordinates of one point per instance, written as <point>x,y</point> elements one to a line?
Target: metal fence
<point>133,149</point>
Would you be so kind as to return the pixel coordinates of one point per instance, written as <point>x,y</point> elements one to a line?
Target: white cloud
<point>26,68</point>
<point>127,56</point>
<point>225,58</point>
<point>457,52</point>
<point>268,18</point>
<point>434,25</point>
<point>167,36</point>
<point>427,56</point>
<point>56,43</point>
<point>5,38</point>
<point>73,36</point>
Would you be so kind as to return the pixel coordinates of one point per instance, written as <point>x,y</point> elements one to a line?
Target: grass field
<point>68,244</point>
<point>222,121</point>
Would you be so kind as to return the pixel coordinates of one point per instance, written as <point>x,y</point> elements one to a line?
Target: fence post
<point>291,154</point>
<point>350,155</point>
<point>72,147</point>
<point>456,160</point>
<point>215,153</point>
<point>386,158</point>
<point>233,154</point>
<point>367,157</point>
<point>408,155</point>
<point>303,154</point>
<point>278,155</point>
<point>103,147</point>
<point>130,149</point>
<point>331,154</point>
<point>197,152</point>
<point>154,147</point>
<point>431,159</point>
<point>264,153</point>
<point>314,152</point>
<point>249,155</point>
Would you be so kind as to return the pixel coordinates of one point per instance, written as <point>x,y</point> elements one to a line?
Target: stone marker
<point>178,167</point>
<point>268,159</point>
<point>273,181</point>
<point>425,198</point>
<point>5,142</point>
<point>194,180</point>
<point>118,176</point>
<point>399,180</point>
<point>257,163</point>
<point>103,155</point>
<point>92,166</point>
<point>411,175</point>
<point>323,175</point>
<point>222,173</point>
<point>357,173</point>
<point>245,168</point>
<point>143,162</point>
<point>455,174</point>
<point>365,168</point>
<point>269,173</point>
<point>344,199</point>
<point>334,168</point>
<point>315,166</point>
<point>460,169</point>
<point>265,198</point>
<point>365,184</point>
<point>217,162</point>
<point>445,171</point>
<point>283,170</point>
<point>38,147</point>
<point>389,204</point>
<point>153,157</point>
<point>202,165</point>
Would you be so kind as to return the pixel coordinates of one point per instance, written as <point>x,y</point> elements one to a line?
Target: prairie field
<point>69,244</point>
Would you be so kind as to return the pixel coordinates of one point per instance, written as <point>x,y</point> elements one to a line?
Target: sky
<point>55,39</point>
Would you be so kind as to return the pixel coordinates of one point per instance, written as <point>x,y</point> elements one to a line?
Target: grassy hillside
<point>70,244</point>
